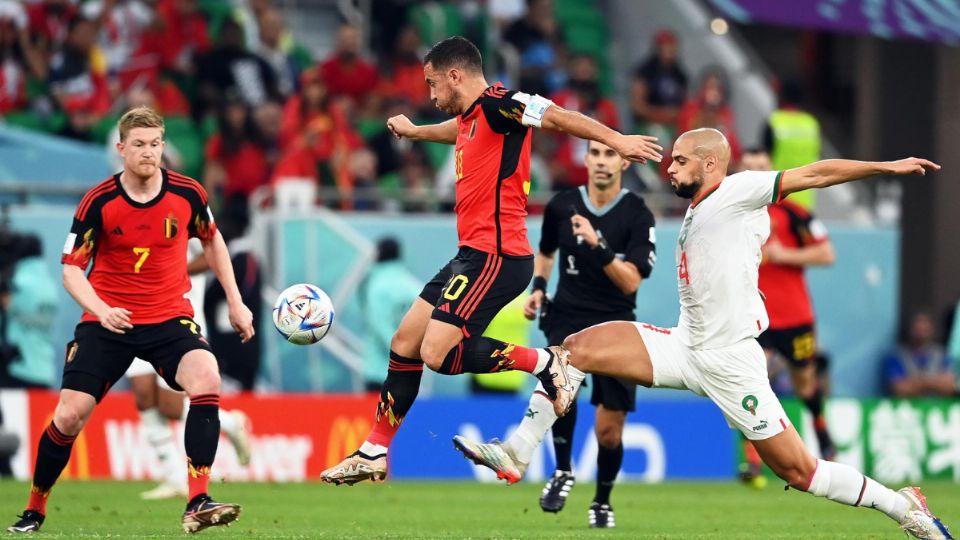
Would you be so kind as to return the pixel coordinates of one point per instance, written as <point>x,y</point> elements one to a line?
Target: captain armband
<point>535,107</point>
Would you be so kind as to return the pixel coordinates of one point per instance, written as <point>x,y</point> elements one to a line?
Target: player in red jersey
<point>494,264</point>
<point>135,226</point>
<point>797,240</point>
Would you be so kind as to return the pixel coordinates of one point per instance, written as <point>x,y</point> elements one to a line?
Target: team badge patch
<point>750,403</point>
<point>170,227</point>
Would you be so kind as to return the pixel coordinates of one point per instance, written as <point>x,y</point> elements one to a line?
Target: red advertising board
<point>294,437</point>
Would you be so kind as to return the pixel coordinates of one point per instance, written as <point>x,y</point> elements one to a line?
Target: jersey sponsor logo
<point>762,426</point>
<point>117,231</point>
<point>169,226</point>
<point>749,403</point>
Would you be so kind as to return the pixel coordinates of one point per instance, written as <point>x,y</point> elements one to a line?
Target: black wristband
<point>604,253</point>
<point>539,284</point>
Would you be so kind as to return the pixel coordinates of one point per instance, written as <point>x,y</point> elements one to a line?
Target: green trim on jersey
<point>777,188</point>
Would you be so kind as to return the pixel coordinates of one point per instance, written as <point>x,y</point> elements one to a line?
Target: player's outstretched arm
<point>444,132</point>
<point>215,250</point>
<point>114,319</point>
<point>830,172</point>
<point>633,147</point>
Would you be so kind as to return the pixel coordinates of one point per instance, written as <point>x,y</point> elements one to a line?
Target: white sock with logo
<point>159,434</point>
<point>534,427</point>
<point>845,485</point>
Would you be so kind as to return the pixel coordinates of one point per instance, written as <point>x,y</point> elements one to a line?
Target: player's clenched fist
<point>241,318</point>
<point>638,148</point>
<point>116,320</point>
<point>401,126</point>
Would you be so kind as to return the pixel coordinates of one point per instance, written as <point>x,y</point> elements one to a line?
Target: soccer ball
<point>303,314</point>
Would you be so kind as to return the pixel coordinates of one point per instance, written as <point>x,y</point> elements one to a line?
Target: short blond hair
<point>139,117</point>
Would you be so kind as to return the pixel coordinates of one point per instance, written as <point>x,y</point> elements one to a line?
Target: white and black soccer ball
<point>303,314</point>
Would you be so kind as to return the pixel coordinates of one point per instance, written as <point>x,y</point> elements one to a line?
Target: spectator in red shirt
<point>710,107</point>
<point>50,23</point>
<point>404,71</point>
<point>78,80</point>
<point>582,94</point>
<point>236,163</point>
<point>346,73</point>
<point>181,35</point>
<point>19,59</point>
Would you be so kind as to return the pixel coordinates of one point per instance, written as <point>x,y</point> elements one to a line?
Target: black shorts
<point>798,345</point>
<point>614,394</point>
<point>97,357</point>
<point>474,286</point>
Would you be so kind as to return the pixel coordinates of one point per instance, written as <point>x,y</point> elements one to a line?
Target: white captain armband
<point>535,107</point>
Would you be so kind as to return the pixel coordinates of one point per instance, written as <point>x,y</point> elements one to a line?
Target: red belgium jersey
<point>784,287</point>
<point>493,174</point>
<point>139,250</point>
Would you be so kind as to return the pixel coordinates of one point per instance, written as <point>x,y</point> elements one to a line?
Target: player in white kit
<point>713,350</point>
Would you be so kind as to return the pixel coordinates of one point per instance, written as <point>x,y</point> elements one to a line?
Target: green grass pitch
<point>467,510</point>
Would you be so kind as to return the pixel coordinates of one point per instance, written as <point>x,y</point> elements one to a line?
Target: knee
<point>432,356</point>
<point>405,344</point>
<point>70,418</point>
<point>608,436</point>
<point>202,380</point>
<point>580,351</point>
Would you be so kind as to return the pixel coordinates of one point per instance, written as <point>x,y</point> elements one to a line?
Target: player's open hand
<point>532,304</point>
<point>913,165</point>
<point>241,319</point>
<point>116,320</point>
<point>638,148</point>
<point>400,126</point>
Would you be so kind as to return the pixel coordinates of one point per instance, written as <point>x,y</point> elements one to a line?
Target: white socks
<point>533,428</point>
<point>543,356</point>
<point>157,430</point>
<point>372,450</point>
<point>538,418</point>
<point>845,485</point>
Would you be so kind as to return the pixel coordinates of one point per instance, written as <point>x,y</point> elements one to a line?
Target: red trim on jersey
<point>92,195</point>
<point>782,423</point>
<point>185,181</point>
<point>706,194</point>
<point>759,326</point>
<point>487,265</point>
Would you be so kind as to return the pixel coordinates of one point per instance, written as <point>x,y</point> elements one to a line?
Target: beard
<point>687,191</point>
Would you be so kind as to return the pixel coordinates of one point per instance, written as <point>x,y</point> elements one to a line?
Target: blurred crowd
<point>248,106</point>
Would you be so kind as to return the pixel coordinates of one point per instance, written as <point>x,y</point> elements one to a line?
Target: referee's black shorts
<point>614,394</point>
<point>97,358</point>
<point>473,287</point>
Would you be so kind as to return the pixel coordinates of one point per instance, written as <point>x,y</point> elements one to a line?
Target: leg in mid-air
<point>442,330</point>
<point>614,349</point>
<point>198,374</point>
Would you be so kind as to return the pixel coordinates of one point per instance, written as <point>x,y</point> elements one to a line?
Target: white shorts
<point>141,367</point>
<point>733,377</point>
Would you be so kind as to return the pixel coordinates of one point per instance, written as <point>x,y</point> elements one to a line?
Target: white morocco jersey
<point>718,259</point>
